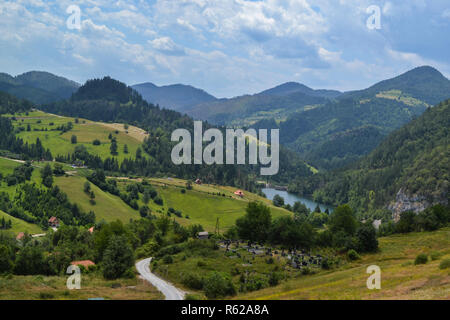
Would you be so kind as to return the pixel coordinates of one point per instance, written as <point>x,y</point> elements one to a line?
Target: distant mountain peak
<point>179,97</point>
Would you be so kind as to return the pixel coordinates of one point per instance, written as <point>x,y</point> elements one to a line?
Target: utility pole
<point>217,231</point>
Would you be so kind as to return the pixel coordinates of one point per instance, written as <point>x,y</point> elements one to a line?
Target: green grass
<point>19,225</point>
<point>202,204</point>
<point>86,132</point>
<point>400,278</point>
<point>107,207</point>
<point>7,166</point>
<point>92,286</point>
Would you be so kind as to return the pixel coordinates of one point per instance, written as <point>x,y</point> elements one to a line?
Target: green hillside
<point>400,278</point>
<point>413,159</point>
<point>249,109</point>
<point>176,97</point>
<point>38,87</point>
<point>19,225</point>
<point>44,126</point>
<point>336,134</point>
<point>205,204</point>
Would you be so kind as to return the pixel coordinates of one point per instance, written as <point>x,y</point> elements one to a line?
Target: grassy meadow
<point>400,277</point>
<point>92,286</point>
<point>85,130</point>
<point>19,225</point>
<point>203,204</point>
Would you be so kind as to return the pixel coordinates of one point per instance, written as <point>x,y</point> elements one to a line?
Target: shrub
<point>45,295</point>
<point>306,271</point>
<point>192,297</point>
<point>445,264</point>
<point>353,255</point>
<point>201,263</point>
<point>168,259</point>
<point>158,200</point>
<point>435,255</point>
<point>96,142</point>
<point>421,259</point>
<point>192,280</point>
<point>274,278</point>
<point>218,285</point>
<point>183,190</point>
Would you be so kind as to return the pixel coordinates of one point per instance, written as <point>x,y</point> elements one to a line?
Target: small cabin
<point>20,236</point>
<point>203,235</point>
<point>198,181</point>
<point>53,222</point>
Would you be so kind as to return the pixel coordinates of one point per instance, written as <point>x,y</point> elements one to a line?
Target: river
<point>290,198</point>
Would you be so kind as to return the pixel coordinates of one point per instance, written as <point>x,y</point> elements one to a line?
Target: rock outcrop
<point>404,202</point>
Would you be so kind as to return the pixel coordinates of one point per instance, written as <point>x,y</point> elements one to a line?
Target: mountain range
<point>409,170</point>
<point>38,87</point>
<point>327,128</point>
<point>177,97</point>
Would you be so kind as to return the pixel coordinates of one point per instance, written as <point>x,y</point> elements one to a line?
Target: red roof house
<point>84,263</point>
<point>239,193</point>
<point>53,222</point>
<point>20,236</point>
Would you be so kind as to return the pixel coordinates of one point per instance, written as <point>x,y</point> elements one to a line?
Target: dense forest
<point>413,158</point>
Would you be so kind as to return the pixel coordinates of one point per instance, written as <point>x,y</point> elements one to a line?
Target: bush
<point>435,255</point>
<point>192,280</point>
<point>274,278</point>
<point>421,259</point>
<point>168,259</point>
<point>353,255</point>
<point>445,264</point>
<point>367,238</point>
<point>201,263</point>
<point>45,295</point>
<point>158,200</point>
<point>218,285</point>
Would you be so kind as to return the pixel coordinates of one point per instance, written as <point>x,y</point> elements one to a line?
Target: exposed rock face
<point>404,202</point>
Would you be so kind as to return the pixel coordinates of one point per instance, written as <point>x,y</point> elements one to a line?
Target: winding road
<point>168,290</point>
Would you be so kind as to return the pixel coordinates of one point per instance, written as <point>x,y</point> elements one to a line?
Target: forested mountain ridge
<point>248,109</point>
<point>176,97</point>
<point>424,84</point>
<point>409,170</point>
<point>293,87</point>
<point>329,136</point>
<point>38,86</point>
<point>109,100</point>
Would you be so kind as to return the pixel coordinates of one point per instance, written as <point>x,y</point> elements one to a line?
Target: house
<point>239,193</point>
<point>84,263</point>
<point>20,236</point>
<point>198,181</point>
<point>91,229</point>
<point>53,222</point>
<point>203,235</point>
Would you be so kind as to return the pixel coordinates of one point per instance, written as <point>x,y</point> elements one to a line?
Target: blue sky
<point>227,47</point>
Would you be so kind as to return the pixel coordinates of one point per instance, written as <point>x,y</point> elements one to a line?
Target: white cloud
<point>166,45</point>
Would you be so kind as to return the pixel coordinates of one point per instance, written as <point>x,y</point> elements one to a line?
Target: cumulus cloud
<point>167,46</point>
<point>228,47</point>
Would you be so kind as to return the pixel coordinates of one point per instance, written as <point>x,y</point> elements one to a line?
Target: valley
<point>90,179</point>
